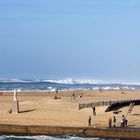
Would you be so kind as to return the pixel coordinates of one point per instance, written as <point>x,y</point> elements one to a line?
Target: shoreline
<point>32,130</point>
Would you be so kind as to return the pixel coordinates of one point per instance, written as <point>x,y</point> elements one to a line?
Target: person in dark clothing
<point>89,121</point>
<point>110,122</point>
<point>94,110</point>
<point>114,121</point>
<point>73,96</point>
<point>123,121</point>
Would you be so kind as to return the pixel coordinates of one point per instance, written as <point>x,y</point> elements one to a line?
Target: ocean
<point>4,137</point>
<point>68,84</point>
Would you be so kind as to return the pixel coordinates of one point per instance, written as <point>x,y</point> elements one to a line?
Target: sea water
<point>4,137</point>
<point>52,85</point>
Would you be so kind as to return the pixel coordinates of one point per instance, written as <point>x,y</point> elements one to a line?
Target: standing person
<point>100,89</point>
<point>56,90</point>
<point>1,93</point>
<point>124,121</point>
<point>94,110</point>
<point>89,121</point>
<point>73,96</point>
<point>114,121</point>
<point>110,122</point>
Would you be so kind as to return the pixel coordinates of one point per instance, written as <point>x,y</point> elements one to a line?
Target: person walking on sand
<point>94,110</point>
<point>89,121</point>
<point>114,121</point>
<point>110,122</point>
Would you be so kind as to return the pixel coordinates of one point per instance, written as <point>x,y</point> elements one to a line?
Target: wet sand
<point>42,109</point>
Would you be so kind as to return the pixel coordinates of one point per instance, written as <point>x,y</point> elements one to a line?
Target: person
<point>1,93</point>
<point>73,96</point>
<point>81,96</point>
<point>100,89</point>
<point>126,121</point>
<point>114,121</point>
<point>55,97</point>
<point>89,121</point>
<point>94,110</point>
<point>123,121</point>
<point>56,91</point>
<point>110,122</point>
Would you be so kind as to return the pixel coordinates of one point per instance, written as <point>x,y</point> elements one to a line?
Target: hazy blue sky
<point>57,39</point>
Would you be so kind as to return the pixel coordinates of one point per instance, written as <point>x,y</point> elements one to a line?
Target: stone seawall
<point>63,130</point>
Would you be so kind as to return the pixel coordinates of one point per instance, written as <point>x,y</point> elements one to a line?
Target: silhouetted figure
<point>56,90</point>
<point>89,121</point>
<point>73,96</point>
<point>114,121</point>
<point>94,110</point>
<point>55,97</point>
<point>110,122</point>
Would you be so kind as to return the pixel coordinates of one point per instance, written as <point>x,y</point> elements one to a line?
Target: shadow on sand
<point>25,111</point>
<point>136,114</point>
<point>132,125</point>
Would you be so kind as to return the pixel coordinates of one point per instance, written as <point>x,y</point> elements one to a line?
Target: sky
<point>79,39</point>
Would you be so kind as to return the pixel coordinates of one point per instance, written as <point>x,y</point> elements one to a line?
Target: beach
<point>41,108</point>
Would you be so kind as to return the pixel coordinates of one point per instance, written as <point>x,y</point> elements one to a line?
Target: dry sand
<point>42,109</point>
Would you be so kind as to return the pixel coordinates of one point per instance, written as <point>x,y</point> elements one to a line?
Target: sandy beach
<point>42,109</point>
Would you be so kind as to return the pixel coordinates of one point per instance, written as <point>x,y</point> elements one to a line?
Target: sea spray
<point>68,84</point>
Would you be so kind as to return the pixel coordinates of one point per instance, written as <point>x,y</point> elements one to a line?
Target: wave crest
<point>69,81</point>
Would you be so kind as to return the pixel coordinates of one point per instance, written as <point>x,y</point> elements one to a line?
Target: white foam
<point>13,80</point>
<point>90,81</point>
<point>42,137</point>
<point>72,81</point>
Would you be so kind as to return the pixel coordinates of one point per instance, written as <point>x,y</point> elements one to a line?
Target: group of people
<point>112,123</point>
<point>74,96</point>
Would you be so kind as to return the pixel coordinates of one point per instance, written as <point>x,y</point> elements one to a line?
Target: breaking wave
<point>4,137</point>
<point>68,81</point>
<point>67,84</point>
